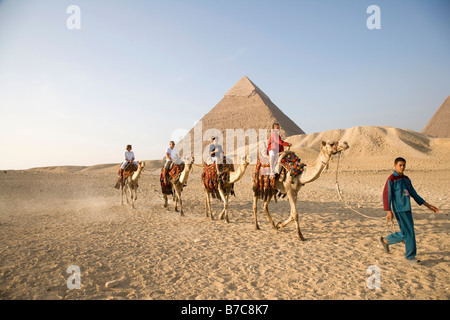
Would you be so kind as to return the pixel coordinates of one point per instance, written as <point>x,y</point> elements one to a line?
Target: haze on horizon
<point>136,73</point>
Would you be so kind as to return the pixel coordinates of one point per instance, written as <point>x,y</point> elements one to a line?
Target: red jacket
<point>276,144</point>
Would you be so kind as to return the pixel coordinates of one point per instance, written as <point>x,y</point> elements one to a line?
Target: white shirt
<point>173,153</point>
<point>129,155</point>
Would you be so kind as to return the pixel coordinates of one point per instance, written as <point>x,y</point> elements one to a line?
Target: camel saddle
<point>212,179</point>
<point>130,168</point>
<point>172,174</point>
<point>291,163</point>
<point>263,182</point>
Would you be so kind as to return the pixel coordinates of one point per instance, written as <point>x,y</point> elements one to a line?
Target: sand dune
<point>99,168</point>
<point>377,147</point>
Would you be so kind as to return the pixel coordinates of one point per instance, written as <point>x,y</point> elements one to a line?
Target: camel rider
<point>172,156</point>
<point>129,160</point>
<point>275,147</point>
<point>216,152</point>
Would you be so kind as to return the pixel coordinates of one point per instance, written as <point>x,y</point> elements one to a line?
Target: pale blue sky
<point>138,70</point>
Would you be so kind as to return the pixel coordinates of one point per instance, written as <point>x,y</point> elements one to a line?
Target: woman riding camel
<point>276,146</point>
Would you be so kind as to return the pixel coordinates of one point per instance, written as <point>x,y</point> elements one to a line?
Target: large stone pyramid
<point>245,107</point>
<point>439,125</point>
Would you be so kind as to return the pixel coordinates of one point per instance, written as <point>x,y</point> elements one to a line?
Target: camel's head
<point>334,147</point>
<point>141,164</point>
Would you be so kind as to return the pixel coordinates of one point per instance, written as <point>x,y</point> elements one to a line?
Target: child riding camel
<point>129,161</point>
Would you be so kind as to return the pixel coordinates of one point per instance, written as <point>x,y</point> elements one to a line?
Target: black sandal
<point>385,246</point>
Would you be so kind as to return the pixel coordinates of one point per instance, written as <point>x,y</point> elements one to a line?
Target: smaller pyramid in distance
<point>439,124</point>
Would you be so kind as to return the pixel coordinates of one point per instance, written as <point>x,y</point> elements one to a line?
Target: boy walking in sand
<point>396,198</point>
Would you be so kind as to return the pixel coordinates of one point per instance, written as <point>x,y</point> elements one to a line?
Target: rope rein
<point>389,226</point>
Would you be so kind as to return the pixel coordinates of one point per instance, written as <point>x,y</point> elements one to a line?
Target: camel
<point>312,173</point>
<point>130,183</point>
<point>225,190</point>
<point>177,186</point>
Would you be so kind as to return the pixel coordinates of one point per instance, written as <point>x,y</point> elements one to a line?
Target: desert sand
<point>55,217</point>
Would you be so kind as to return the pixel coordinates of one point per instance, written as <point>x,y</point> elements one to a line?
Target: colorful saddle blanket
<point>212,180</point>
<point>174,173</point>
<point>209,177</point>
<point>263,182</point>
<point>293,165</point>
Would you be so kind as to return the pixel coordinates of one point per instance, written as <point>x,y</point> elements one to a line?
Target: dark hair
<point>129,146</point>
<point>275,124</point>
<point>397,160</point>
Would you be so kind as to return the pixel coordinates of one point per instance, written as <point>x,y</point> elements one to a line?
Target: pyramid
<point>245,107</point>
<point>439,124</point>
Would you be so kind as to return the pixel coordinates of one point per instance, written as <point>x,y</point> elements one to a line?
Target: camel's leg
<point>130,192</point>
<point>121,193</point>
<point>223,197</point>
<point>210,207</point>
<point>133,195</point>
<point>127,187</point>
<point>175,197</point>
<point>178,198</point>
<point>226,209</point>
<point>292,201</point>
<point>297,226</point>
<point>208,204</point>
<point>225,205</point>
<point>255,210</point>
<point>165,201</point>
<point>293,215</point>
<point>266,210</point>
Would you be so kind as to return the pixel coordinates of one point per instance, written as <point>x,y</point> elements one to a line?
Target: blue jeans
<point>406,224</point>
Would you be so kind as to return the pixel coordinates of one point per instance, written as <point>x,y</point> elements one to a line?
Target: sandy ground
<point>52,219</point>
